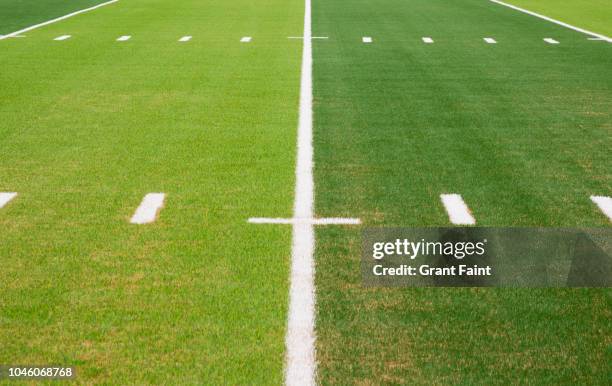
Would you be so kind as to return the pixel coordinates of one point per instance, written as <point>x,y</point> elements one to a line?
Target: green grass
<point>593,15</point>
<point>521,129</point>
<point>88,126</point>
<point>18,14</point>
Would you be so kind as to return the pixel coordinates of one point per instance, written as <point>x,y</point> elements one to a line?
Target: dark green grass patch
<point>521,129</point>
<point>18,14</point>
<point>593,15</point>
<point>88,126</point>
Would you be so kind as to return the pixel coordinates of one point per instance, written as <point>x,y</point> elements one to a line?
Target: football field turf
<point>89,125</point>
<point>16,15</point>
<point>593,15</point>
<point>521,129</point>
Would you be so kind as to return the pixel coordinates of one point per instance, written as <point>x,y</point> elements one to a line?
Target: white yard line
<point>457,210</point>
<point>604,203</point>
<point>124,38</point>
<point>428,40</point>
<point>148,209</point>
<point>490,40</point>
<point>185,39</point>
<point>6,197</point>
<point>366,39</point>
<point>300,339</point>
<point>63,37</point>
<point>551,41</point>
<point>57,19</point>
<point>245,39</point>
<point>578,29</point>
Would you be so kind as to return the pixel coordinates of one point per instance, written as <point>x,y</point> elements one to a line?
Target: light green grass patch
<point>88,126</point>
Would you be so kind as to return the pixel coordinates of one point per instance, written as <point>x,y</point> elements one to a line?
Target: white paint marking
<point>185,39</point>
<point>148,209</point>
<point>551,41</point>
<point>57,19</point>
<point>578,29</point>
<point>366,39</point>
<point>245,39</point>
<point>605,204</point>
<point>313,221</point>
<point>457,210</point>
<point>6,197</point>
<point>428,40</point>
<point>123,38</point>
<point>63,37</point>
<point>300,339</point>
<point>490,40</point>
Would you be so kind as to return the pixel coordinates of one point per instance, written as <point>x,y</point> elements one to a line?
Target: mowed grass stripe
<point>592,15</point>
<point>521,131</point>
<point>199,295</point>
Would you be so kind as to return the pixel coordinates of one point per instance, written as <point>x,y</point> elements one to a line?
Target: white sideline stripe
<point>366,39</point>
<point>123,38</point>
<point>300,339</point>
<point>63,37</point>
<point>605,204</point>
<point>600,39</point>
<point>428,40</point>
<point>6,197</point>
<point>313,221</point>
<point>185,39</point>
<point>245,39</point>
<point>56,19</point>
<point>490,40</point>
<point>578,29</point>
<point>148,209</point>
<point>457,210</point>
<point>551,41</point>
